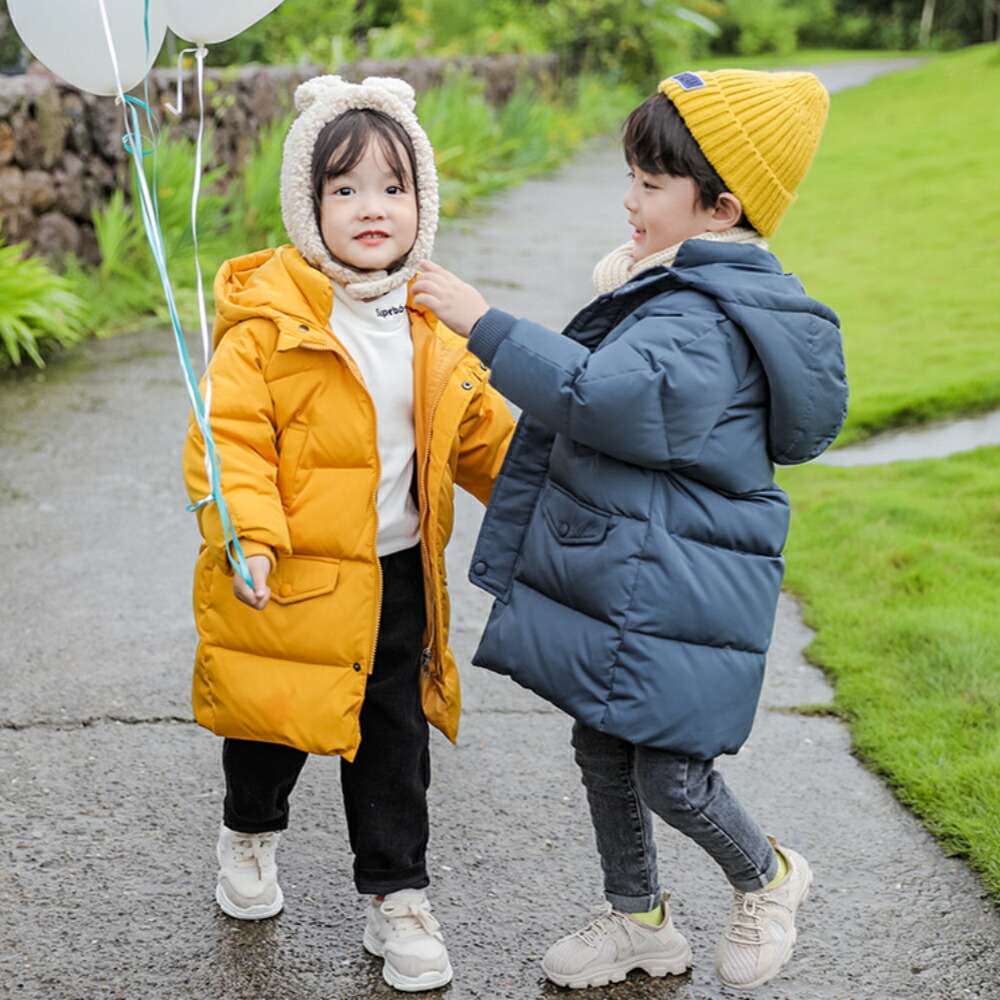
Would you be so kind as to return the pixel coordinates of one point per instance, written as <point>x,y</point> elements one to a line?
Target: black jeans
<point>385,788</point>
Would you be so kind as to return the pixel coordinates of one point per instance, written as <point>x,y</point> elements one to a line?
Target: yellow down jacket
<point>296,436</point>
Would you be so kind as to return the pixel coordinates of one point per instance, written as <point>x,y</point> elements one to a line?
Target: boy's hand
<point>260,569</point>
<point>458,305</point>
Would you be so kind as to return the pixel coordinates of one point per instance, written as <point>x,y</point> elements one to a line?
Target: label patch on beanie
<point>689,81</point>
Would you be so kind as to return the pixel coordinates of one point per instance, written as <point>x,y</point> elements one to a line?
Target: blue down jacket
<point>633,540</point>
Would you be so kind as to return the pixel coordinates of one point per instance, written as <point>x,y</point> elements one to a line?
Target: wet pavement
<point>938,439</point>
<point>110,796</point>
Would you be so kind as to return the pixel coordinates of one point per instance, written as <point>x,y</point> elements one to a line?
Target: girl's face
<point>368,215</point>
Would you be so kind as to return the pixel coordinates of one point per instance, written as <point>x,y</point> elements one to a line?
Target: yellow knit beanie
<point>759,130</point>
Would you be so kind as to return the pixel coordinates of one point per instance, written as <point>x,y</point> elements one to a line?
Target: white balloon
<point>210,21</point>
<point>68,36</point>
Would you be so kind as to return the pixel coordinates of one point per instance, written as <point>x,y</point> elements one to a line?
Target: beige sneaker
<point>760,933</point>
<point>248,877</point>
<point>402,931</point>
<point>608,948</point>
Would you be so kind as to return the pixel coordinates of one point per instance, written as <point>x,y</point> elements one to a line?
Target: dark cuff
<point>489,333</point>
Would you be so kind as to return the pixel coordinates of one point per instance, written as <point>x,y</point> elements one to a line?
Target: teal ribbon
<point>134,141</point>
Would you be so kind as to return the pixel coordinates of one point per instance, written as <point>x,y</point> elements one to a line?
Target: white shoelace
<point>256,849</point>
<point>409,917</point>
<point>749,916</point>
<point>608,918</point>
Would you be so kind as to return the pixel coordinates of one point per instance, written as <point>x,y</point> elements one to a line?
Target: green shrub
<point>126,285</point>
<point>39,310</point>
<point>630,40</point>
<point>756,27</point>
<point>457,28</point>
<point>254,192</point>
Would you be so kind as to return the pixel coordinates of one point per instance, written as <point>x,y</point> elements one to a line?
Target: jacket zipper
<point>427,666</point>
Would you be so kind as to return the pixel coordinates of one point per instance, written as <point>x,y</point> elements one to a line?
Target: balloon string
<point>199,53</point>
<point>106,24</point>
<point>133,142</point>
<point>206,345</point>
<point>178,109</point>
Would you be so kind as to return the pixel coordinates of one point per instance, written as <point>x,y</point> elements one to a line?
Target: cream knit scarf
<point>618,267</point>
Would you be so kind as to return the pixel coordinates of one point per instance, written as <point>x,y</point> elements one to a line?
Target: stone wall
<point>61,151</point>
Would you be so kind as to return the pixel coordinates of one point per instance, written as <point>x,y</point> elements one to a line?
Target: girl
<point>343,415</point>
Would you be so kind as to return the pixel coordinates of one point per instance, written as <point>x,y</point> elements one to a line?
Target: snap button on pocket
<point>479,568</point>
<point>303,328</point>
<point>299,578</point>
<point>357,666</point>
<point>572,521</point>
<point>466,385</point>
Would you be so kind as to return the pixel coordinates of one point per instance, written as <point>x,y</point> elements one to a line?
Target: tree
<point>926,23</point>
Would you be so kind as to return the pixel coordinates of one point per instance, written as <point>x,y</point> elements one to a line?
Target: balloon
<point>68,36</point>
<point>208,21</point>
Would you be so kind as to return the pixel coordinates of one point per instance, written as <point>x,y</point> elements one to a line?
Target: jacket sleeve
<point>484,436</point>
<point>650,397</point>
<point>243,426</point>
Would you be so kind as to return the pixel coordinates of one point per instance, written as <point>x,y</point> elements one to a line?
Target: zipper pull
<point>425,662</point>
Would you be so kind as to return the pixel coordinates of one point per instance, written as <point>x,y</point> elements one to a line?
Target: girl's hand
<point>260,569</point>
<point>458,305</point>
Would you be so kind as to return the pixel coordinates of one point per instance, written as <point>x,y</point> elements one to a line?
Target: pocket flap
<point>572,522</point>
<point>296,578</point>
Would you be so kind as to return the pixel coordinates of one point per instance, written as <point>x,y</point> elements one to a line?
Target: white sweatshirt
<point>376,333</point>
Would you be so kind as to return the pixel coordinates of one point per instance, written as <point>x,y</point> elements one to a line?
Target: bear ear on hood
<point>400,89</point>
<point>308,93</point>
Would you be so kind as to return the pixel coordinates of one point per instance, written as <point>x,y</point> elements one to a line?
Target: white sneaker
<point>760,934</point>
<point>402,931</point>
<point>248,877</point>
<point>608,948</point>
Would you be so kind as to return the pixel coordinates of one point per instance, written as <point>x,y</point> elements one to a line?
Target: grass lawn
<point>899,566</point>
<point>898,230</point>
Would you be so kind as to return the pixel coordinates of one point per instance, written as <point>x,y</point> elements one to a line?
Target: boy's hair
<point>342,143</point>
<point>656,140</point>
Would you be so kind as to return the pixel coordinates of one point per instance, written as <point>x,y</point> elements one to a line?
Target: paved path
<point>110,795</point>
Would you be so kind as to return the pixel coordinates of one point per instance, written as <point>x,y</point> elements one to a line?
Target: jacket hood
<point>796,338</point>
<point>318,102</point>
<point>277,284</point>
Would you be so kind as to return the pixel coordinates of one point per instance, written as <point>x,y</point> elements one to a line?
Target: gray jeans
<point>627,783</point>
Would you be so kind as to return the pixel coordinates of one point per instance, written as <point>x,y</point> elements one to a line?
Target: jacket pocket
<point>572,522</point>
<point>297,578</point>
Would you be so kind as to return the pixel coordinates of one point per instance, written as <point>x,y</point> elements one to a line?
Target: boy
<point>633,541</point>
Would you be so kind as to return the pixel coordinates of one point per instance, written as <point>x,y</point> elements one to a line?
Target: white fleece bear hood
<point>319,101</point>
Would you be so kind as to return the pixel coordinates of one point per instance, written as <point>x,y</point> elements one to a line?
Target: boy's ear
<point>727,213</point>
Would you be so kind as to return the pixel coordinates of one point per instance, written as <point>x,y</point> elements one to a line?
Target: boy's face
<point>663,210</point>
<point>368,216</point>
